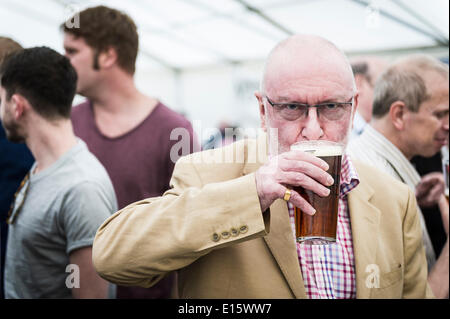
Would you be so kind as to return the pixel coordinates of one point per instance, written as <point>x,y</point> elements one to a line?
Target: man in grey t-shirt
<point>67,193</point>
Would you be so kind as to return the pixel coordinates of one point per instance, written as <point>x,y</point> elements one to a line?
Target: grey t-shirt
<point>64,206</point>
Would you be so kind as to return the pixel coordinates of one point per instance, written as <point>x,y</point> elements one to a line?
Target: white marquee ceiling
<point>181,34</point>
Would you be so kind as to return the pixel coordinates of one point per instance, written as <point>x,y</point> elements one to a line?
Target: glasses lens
<point>334,111</point>
<point>293,111</point>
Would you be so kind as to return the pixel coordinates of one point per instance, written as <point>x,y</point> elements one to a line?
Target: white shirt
<point>359,124</point>
<point>374,149</point>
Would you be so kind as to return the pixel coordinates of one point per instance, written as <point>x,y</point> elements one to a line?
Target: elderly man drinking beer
<point>228,228</point>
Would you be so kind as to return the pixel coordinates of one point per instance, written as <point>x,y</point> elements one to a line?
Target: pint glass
<point>321,227</point>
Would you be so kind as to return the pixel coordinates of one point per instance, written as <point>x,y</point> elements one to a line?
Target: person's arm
<point>146,240</point>
<point>415,275</point>
<point>430,189</point>
<point>86,205</point>
<point>443,207</point>
<point>143,242</point>
<point>438,278</point>
<point>90,284</point>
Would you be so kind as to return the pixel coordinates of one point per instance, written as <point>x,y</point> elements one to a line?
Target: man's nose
<point>445,123</point>
<point>312,129</point>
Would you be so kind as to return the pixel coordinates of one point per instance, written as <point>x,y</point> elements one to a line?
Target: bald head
<point>308,56</point>
<point>306,69</point>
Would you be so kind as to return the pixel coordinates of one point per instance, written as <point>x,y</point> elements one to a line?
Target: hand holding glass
<point>321,227</point>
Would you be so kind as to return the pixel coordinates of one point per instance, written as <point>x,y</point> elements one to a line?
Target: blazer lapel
<point>280,239</point>
<point>282,244</point>
<point>365,220</point>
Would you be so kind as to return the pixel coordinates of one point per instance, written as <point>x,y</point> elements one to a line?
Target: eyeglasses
<point>331,111</point>
<point>19,198</point>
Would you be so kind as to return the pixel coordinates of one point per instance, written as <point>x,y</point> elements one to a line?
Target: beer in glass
<point>321,227</point>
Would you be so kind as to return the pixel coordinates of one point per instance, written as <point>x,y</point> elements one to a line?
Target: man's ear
<point>397,114</point>
<point>355,105</point>
<point>262,111</point>
<point>359,80</point>
<point>20,106</point>
<point>107,58</point>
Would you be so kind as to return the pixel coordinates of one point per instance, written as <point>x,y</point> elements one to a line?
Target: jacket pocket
<point>391,278</point>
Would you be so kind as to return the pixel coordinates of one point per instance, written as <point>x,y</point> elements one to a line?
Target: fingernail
<point>330,181</point>
<point>325,167</point>
<point>313,212</point>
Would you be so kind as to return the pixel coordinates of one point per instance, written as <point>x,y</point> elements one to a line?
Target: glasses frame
<point>282,106</point>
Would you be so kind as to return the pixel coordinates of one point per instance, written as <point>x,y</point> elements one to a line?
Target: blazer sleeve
<point>144,241</point>
<point>415,277</point>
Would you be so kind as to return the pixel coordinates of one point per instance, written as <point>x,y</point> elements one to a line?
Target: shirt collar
<point>392,155</point>
<point>358,123</point>
<point>349,176</point>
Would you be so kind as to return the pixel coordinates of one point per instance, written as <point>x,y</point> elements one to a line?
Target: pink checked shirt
<point>329,270</point>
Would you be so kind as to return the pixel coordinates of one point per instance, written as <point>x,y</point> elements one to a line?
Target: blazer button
<point>225,235</point>
<point>215,237</point>
<point>234,232</point>
<point>243,229</point>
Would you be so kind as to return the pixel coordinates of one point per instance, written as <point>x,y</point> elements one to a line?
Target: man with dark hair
<point>411,117</point>
<point>103,28</point>
<point>66,194</point>
<point>15,161</point>
<point>117,118</point>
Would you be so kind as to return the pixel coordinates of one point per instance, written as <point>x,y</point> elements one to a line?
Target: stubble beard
<point>12,133</point>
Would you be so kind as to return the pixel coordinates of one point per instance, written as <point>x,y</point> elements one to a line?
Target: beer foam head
<point>319,148</point>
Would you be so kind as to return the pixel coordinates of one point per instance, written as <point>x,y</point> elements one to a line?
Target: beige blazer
<point>210,228</point>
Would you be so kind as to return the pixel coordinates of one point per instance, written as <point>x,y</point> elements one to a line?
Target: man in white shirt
<point>410,117</point>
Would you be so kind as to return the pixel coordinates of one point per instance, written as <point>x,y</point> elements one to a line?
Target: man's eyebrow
<point>284,99</point>
<point>69,48</point>
<point>441,112</point>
